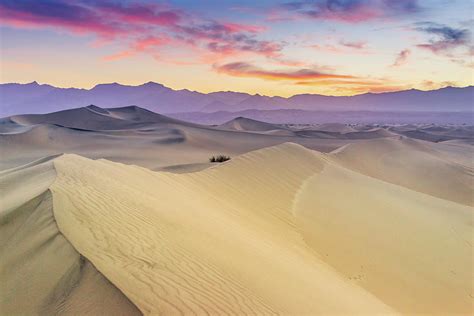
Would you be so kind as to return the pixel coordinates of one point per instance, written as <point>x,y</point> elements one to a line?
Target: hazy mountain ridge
<point>42,98</point>
<point>286,116</point>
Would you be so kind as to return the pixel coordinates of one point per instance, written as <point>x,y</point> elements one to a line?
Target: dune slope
<point>220,241</point>
<point>280,230</point>
<point>414,164</point>
<point>133,135</point>
<point>40,270</point>
<point>411,250</point>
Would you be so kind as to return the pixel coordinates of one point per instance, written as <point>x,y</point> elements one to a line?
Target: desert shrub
<point>219,158</point>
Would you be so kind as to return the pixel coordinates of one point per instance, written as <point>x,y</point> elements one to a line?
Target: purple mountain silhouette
<point>41,98</point>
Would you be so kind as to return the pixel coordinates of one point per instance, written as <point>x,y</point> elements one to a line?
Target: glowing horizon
<point>274,48</point>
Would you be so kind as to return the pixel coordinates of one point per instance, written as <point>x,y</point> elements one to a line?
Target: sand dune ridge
<point>279,230</point>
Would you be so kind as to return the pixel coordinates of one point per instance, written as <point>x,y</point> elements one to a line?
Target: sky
<point>331,47</point>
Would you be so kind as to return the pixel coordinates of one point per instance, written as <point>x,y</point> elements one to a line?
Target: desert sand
<point>41,272</point>
<point>133,135</point>
<point>373,225</point>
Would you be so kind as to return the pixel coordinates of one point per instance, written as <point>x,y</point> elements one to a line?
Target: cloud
<point>444,38</point>
<point>356,86</point>
<point>139,45</point>
<point>333,82</point>
<point>106,19</point>
<point>139,13</point>
<point>136,24</point>
<point>312,77</point>
<point>228,38</point>
<point>380,88</point>
<point>119,55</point>
<point>402,58</point>
<point>431,85</point>
<point>355,45</point>
<point>237,27</point>
<point>402,6</point>
<point>344,47</point>
<point>243,69</point>
<point>463,62</point>
<point>351,11</point>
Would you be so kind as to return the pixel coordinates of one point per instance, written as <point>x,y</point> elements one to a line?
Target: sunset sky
<point>334,47</point>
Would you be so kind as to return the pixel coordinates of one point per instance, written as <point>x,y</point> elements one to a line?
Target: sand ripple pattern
<point>281,230</point>
<point>218,242</point>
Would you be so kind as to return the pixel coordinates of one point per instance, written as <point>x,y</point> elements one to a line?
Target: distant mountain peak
<point>152,84</point>
<point>107,85</point>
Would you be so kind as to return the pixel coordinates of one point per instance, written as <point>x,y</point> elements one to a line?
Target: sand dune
<point>457,151</point>
<point>249,125</point>
<point>410,250</point>
<point>377,226</point>
<point>41,272</point>
<point>133,135</point>
<point>413,164</point>
<point>335,128</point>
<point>154,245</point>
<point>96,118</point>
<point>346,132</point>
<point>436,133</point>
<point>137,136</point>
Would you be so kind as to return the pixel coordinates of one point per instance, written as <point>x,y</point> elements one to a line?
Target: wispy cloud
<point>312,77</point>
<point>444,38</point>
<point>351,11</point>
<point>344,47</point>
<point>243,69</point>
<point>431,85</point>
<point>228,38</point>
<point>402,58</point>
<point>355,45</point>
<point>139,45</point>
<point>357,85</point>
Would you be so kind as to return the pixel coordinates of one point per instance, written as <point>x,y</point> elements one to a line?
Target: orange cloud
<point>242,69</point>
<point>356,86</point>
<point>340,82</point>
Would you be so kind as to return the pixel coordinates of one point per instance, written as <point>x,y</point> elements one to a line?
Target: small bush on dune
<point>219,158</point>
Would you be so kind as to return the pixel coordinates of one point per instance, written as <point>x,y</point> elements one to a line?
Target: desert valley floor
<point>119,212</point>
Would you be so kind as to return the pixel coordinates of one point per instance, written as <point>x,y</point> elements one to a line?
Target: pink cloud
<point>140,45</point>
<point>149,42</point>
<point>140,23</point>
<point>237,27</point>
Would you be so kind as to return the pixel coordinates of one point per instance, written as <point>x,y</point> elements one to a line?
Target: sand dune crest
<point>229,247</point>
<point>41,273</point>
<point>280,230</point>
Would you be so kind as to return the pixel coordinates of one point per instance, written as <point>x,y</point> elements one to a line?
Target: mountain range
<point>43,98</point>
